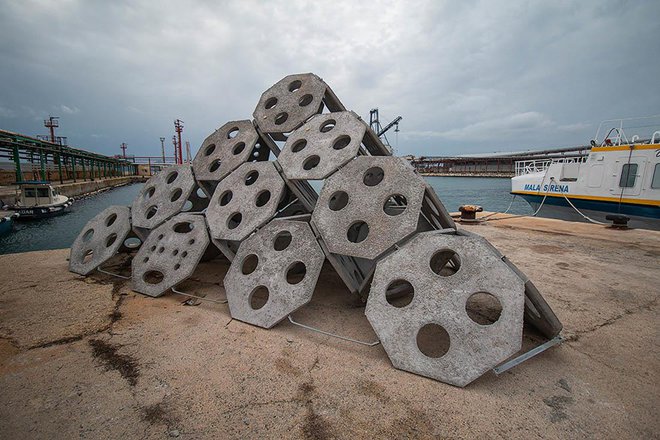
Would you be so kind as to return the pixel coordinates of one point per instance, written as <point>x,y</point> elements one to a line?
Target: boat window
<point>30,192</point>
<point>628,175</point>
<point>42,192</point>
<point>655,183</point>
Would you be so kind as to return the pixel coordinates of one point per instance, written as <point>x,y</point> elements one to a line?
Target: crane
<point>374,123</point>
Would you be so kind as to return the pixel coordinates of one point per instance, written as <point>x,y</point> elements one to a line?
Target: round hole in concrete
<point>299,145</point>
<point>176,195</point>
<point>160,236</point>
<point>305,100</point>
<point>145,260</point>
<point>215,165</point>
<point>250,264</point>
<point>311,162</point>
<point>259,297</point>
<point>262,198</point>
<point>357,232</point>
<point>238,148</point>
<point>296,272</point>
<point>270,103</point>
<point>177,266</point>
<point>225,198</point>
<point>184,254</point>
<point>111,219</point>
<point>149,192</point>
<point>281,118</point>
<point>153,248</point>
<point>445,262</point>
<point>209,150</point>
<point>483,308</point>
<point>132,242</point>
<point>341,142</point>
<point>327,126</point>
<point>87,256</point>
<point>110,240</point>
<point>373,176</point>
<point>161,249</point>
<point>172,177</point>
<point>153,277</point>
<point>433,340</point>
<point>395,204</point>
<point>151,211</point>
<point>183,227</point>
<point>338,201</point>
<point>251,177</point>
<point>295,85</point>
<point>282,240</point>
<point>399,293</point>
<point>231,134</point>
<point>88,235</point>
<point>175,252</point>
<point>234,220</point>
<point>191,241</point>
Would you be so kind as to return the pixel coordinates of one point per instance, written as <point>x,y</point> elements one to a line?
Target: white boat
<point>619,175</point>
<point>38,199</point>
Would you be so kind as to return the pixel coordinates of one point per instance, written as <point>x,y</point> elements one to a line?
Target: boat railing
<point>541,165</point>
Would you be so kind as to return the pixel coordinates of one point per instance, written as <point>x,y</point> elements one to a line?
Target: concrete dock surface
<point>88,358</point>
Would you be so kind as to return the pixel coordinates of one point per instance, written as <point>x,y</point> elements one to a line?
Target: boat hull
<point>38,212</point>
<point>641,216</point>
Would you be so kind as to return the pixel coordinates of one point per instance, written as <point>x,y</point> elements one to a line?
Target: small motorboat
<point>37,199</point>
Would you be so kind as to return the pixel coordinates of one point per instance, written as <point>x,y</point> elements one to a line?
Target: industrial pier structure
<point>488,164</point>
<point>66,162</point>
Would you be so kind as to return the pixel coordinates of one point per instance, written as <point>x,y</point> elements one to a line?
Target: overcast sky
<point>467,76</point>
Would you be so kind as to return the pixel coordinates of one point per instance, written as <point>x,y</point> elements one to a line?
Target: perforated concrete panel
<point>321,146</point>
<point>439,307</point>
<point>223,151</point>
<point>274,273</point>
<point>100,239</point>
<point>368,206</point>
<point>244,201</point>
<point>170,254</point>
<point>291,101</point>
<point>164,195</point>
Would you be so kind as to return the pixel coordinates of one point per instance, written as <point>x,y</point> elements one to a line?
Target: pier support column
<point>73,168</point>
<point>17,164</point>
<point>42,166</point>
<point>59,167</point>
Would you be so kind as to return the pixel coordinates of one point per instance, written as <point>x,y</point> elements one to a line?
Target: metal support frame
<point>323,332</point>
<point>528,355</point>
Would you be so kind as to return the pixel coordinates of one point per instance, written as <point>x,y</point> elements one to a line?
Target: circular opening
<point>299,145</point>
<point>145,259</point>
<point>110,240</point>
<point>295,85</point>
<point>161,249</point>
<point>149,192</point>
<point>215,165</point>
<point>153,277</point>
<point>311,162</point>
<point>111,219</point>
<point>282,240</point>
<point>209,150</point>
<point>201,194</point>
<point>341,142</point>
<point>395,204</point>
<point>191,241</point>
<point>177,266</point>
<point>373,176</point>
<point>270,103</point>
<point>327,126</point>
<point>357,232</point>
<point>238,148</point>
<point>132,242</point>
<point>483,308</point>
<point>160,236</point>
<point>259,297</point>
<point>281,118</point>
<point>231,134</point>
<point>433,340</point>
<point>183,227</point>
<point>445,262</point>
<point>87,256</point>
<point>225,198</point>
<point>153,248</point>
<point>250,264</point>
<point>399,293</point>
<point>338,200</point>
<point>151,211</point>
<point>172,177</point>
<point>296,272</point>
<point>88,235</point>
<point>184,254</point>
<point>234,220</point>
<point>175,252</point>
<point>251,177</point>
<point>305,100</point>
<point>176,195</point>
<point>262,198</point>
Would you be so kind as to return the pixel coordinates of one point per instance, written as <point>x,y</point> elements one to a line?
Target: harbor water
<point>60,232</point>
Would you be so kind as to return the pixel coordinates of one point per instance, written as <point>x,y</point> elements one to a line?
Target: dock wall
<point>82,188</point>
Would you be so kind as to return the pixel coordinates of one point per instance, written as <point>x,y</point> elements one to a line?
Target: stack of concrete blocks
<point>379,224</point>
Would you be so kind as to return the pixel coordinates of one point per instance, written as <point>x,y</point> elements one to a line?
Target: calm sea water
<point>60,232</point>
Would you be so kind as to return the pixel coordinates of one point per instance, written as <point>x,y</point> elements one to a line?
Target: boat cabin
<point>36,193</point>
